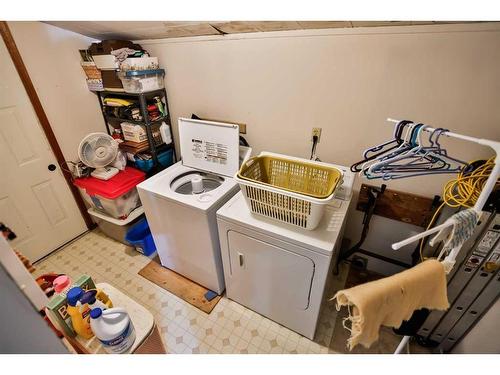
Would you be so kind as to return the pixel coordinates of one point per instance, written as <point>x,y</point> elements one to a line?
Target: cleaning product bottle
<point>79,313</point>
<point>165,133</point>
<point>159,105</point>
<point>61,284</point>
<point>104,298</point>
<point>113,328</point>
<point>90,298</point>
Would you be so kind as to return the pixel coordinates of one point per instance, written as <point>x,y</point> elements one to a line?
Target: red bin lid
<point>115,186</point>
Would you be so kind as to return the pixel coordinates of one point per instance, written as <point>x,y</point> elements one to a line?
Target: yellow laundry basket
<point>291,190</point>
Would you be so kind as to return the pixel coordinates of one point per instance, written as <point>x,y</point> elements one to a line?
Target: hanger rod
<point>485,193</point>
<point>486,142</point>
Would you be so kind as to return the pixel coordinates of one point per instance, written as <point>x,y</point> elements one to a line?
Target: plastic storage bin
<point>141,238</point>
<point>140,63</point>
<point>287,189</point>
<point>116,197</point>
<point>165,158</point>
<point>137,81</point>
<point>116,228</point>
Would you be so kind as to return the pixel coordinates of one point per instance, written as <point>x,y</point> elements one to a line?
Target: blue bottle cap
<point>74,295</point>
<point>95,313</point>
<point>89,297</point>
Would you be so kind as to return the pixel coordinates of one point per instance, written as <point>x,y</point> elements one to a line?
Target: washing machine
<point>180,202</point>
<point>279,270</point>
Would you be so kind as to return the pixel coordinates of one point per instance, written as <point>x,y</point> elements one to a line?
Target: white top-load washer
<point>180,202</point>
<point>279,270</point>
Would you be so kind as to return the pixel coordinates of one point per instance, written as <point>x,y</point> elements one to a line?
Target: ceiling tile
<point>234,27</point>
<point>125,26</point>
<point>323,24</point>
<point>415,23</point>
<point>173,29</point>
<point>374,23</point>
<point>275,25</point>
<point>201,29</point>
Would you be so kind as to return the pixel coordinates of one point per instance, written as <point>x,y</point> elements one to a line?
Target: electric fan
<point>99,150</point>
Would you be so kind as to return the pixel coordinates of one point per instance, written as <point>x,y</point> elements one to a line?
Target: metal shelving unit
<point>148,124</point>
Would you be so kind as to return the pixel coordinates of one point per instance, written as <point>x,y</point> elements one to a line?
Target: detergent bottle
<point>79,313</point>
<point>113,328</point>
<point>104,298</point>
<point>95,298</point>
<point>62,284</point>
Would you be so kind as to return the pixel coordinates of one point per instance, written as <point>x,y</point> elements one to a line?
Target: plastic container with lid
<point>117,196</point>
<point>116,228</point>
<point>137,81</point>
<point>140,63</point>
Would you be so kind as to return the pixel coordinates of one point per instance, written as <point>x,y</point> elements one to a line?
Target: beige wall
<point>53,62</point>
<point>347,82</point>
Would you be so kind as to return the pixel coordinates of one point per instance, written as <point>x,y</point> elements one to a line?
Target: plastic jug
<point>80,319</point>
<point>62,284</point>
<point>113,328</point>
<point>165,133</point>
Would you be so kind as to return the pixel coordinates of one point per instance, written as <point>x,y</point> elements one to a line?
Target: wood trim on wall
<point>42,117</point>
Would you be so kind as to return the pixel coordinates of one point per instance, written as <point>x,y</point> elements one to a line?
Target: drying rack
<point>478,206</point>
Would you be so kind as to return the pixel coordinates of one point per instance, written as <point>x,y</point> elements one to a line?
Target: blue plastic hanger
<point>434,156</point>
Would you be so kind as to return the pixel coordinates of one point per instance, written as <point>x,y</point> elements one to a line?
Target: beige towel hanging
<point>391,300</point>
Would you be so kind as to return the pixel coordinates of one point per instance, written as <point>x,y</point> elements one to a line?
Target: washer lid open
<point>209,146</point>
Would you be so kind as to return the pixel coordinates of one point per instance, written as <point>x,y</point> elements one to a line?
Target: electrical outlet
<point>360,263</point>
<point>316,132</point>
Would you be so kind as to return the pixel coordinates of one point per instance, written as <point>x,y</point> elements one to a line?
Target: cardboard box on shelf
<point>133,133</point>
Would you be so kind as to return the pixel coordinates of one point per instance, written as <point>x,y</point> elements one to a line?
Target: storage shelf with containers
<point>130,87</point>
<point>131,92</point>
<point>137,123</point>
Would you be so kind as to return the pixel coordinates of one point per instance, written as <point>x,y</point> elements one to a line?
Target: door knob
<point>51,167</point>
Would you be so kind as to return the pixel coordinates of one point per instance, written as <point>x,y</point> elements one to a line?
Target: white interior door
<point>35,203</point>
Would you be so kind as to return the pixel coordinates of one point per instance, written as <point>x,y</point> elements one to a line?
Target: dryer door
<point>268,279</point>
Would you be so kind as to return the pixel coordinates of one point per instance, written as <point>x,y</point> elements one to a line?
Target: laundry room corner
<point>236,186</point>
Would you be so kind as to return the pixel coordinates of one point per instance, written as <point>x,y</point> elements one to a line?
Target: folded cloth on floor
<point>391,300</point>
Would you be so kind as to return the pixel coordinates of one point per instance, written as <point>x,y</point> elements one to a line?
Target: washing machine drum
<point>195,182</point>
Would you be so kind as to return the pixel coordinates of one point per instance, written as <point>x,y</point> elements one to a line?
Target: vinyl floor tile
<point>229,328</point>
